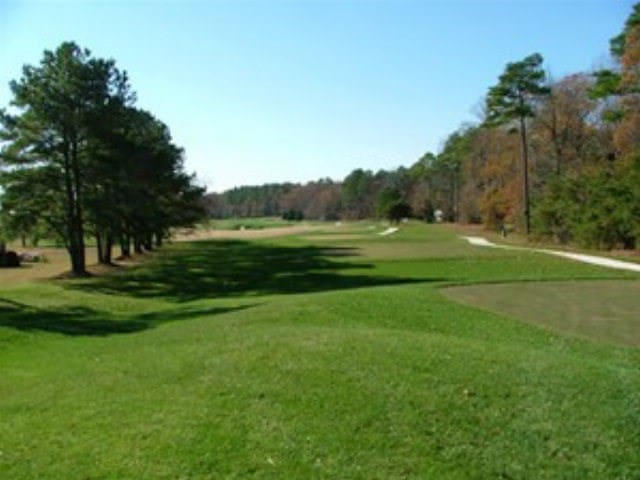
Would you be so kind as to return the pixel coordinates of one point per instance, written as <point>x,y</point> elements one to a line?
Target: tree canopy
<point>91,162</point>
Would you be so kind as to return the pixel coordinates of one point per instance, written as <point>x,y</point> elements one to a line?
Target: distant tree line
<point>79,160</point>
<point>555,158</point>
<point>315,200</point>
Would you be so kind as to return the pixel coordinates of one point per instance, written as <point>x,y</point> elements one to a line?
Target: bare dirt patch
<point>248,234</point>
<point>335,236</point>
<point>56,263</point>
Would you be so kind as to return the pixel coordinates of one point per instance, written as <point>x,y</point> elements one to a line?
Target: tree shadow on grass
<point>228,268</point>
<point>77,321</point>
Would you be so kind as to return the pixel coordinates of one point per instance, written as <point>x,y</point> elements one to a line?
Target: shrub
<point>9,259</point>
<point>398,211</point>
<point>293,215</point>
<point>598,208</point>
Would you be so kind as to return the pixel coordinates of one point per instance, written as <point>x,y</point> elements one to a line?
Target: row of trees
<point>78,159</point>
<point>251,201</point>
<point>556,158</point>
<point>361,194</point>
<point>314,200</point>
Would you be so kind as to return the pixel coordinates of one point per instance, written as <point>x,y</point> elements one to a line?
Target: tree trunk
<point>107,249</point>
<point>99,247</point>
<point>158,239</point>
<point>125,246</point>
<point>105,245</point>
<point>78,220</point>
<point>456,200</point>
<point>137,245</point>
<point>75,242</point>
<point>78,260</point>
<point>76,253</point>
<point>74,227</point>
<point>558,160</point>
<point>525,175</point>
<point>148,243</point>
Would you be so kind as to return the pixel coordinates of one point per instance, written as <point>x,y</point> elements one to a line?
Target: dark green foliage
<point>399,210</point>
<point>81,160</point>
<point>293,215</point>
<point>599,208</point>
<point>28,208</point>
<point>358,194</point>
<point>555,211</point>
<point>391,204</point>
<point>618,81</point>
<point>513,98</point>
<point>445,174</point>
<point>617,44</point>
<point>386,198</point>
<point>607,83</point>
<point>60,102</point>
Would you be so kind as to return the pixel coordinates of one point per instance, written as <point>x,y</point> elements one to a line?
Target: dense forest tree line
<point>258,201</point>
<point>79,160</point>
<point>315,200</point>
<point>558,158</point>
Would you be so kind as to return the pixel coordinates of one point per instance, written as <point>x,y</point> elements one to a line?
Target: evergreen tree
<point>514,98</point>
<point>60,102</point>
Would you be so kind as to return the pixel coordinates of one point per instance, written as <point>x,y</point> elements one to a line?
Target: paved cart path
<point>580,257</point>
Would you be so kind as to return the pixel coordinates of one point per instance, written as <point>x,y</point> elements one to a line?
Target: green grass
<point>607,310</point>
<point>299,358</point>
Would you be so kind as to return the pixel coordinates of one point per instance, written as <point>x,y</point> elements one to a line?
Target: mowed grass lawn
<point>332,355</point>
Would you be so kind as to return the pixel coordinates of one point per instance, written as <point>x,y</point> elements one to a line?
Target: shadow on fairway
<point>217,269</point>
<point>77,321</point>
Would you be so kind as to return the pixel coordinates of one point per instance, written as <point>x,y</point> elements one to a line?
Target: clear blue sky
<point>270,91</point>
